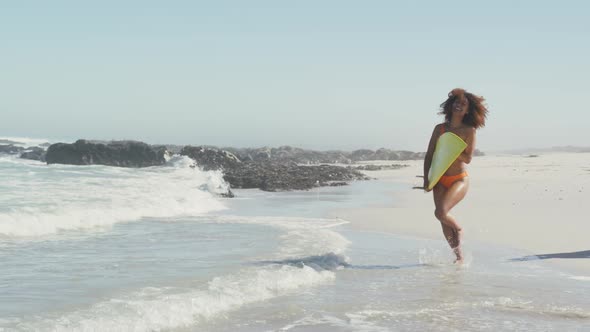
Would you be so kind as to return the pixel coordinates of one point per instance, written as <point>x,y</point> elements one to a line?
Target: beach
<point>100,248</point>
<point>258,166</point>
<point>536,203</point>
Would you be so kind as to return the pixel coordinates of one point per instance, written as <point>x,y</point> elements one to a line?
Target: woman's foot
<point>459,253</point>
<point>457,250</point>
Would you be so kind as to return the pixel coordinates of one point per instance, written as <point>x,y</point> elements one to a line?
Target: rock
<point>361,155</point>
<point>407,155</point>
<point>369,167</point>
<point>420,155</point>
<point>228,194</point>
<point>305,157</point>
<point>262,173</point>
<point>116,153</point>
<point>278,176</point>
<point>211,158</point>
<point>174,149</point>
<point>10,149</point>
<point>378,167</point>
<point>338,183</point>
<point>34,153</point>
<point>288,168</point>
<point>478,153</point>
<point>384,154</point>
<point>269,175</point>
<point>290,154</point>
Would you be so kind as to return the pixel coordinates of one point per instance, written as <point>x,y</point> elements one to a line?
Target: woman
<point>464,113</point>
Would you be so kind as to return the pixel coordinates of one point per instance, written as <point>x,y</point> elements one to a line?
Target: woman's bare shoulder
<point>468,130</point>
<point>466,133</point>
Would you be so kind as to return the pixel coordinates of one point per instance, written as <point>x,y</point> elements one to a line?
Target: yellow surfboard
<point>448,148</point>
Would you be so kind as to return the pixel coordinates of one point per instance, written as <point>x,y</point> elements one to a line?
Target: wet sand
<point>538,204</point>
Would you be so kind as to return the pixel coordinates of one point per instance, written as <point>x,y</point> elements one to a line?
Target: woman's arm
<point>466,155</point>
<point>429,153</point>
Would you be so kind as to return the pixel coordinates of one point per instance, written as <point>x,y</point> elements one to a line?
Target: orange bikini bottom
<point>448,180</point>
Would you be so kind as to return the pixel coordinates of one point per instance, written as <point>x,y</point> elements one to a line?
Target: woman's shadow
<point>574,254</point>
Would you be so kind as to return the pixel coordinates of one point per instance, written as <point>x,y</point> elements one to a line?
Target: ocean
<point>98,248</point>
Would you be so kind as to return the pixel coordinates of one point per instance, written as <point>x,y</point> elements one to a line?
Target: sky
<point>314,74</point>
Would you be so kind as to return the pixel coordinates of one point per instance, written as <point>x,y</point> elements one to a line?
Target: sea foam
<point>163,308</point>
<point>39,200</point>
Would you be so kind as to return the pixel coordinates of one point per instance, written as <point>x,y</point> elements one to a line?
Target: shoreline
<point>531,204</point>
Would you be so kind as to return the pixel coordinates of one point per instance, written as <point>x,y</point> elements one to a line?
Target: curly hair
<point>476,112</point>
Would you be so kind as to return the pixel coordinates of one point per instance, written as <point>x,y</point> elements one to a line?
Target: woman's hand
<point>426,184</point>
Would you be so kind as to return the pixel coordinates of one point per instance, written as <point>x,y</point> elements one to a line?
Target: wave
<point>23,141</point>
<point>153,309</point>
<point>162,308</point>
<point>45,200</point>
<point>509,304</point>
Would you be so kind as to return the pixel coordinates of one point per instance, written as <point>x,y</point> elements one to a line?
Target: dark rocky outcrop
<point>174,149</point>
<point>301,156</point>
<point>228,194</point>
<point>11,149</point>
<point>385,154</point>
<point>210,158</point>
<point>290,154</point>
<point>34,153</point>
<point>478,153</point>
<point>269,175</point>
<point>116,153</point>
<point>269,169</point>
<point>278,176</point>
<point>378,167</point>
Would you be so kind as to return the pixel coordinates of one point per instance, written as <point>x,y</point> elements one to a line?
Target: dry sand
<point>537,204</point>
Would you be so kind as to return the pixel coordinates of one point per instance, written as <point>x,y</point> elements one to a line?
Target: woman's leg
<point>444,202</point>
<point>438,193</point>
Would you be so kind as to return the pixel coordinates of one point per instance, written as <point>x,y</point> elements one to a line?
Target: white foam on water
<point>16,161</point>
<point>152,309</point>
<point>581,278</point>
<point>529,306</point>
<point>25,141</point>
<point>303,236</point>
<point>62,197</point>
<point>431,256</point>
<point>382,313</point>
<point>443,256</point>
<point>441,315</point>
<point>354,322</point>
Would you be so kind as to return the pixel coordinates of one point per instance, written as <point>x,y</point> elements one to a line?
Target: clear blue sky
<point>315,74</point>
